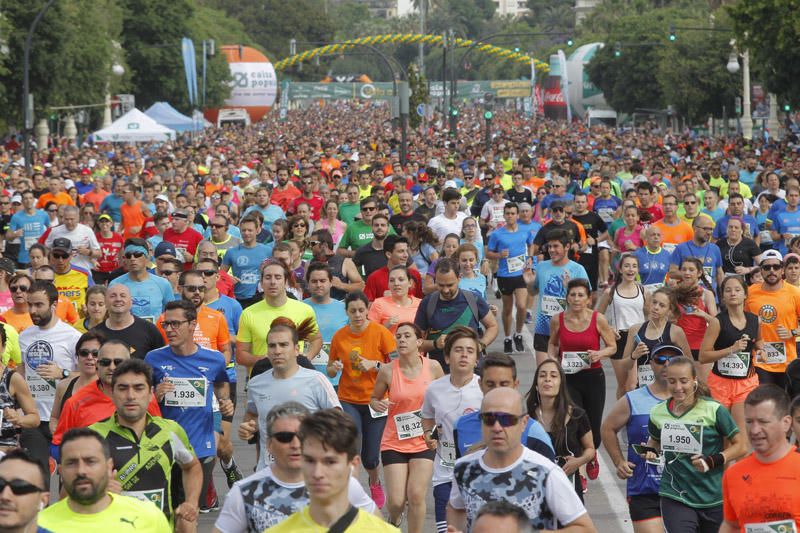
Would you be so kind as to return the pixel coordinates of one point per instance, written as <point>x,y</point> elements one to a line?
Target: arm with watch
<point>52,371</point>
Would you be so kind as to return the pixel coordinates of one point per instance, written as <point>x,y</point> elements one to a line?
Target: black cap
<point>7,265</point>
<point>62,244</point>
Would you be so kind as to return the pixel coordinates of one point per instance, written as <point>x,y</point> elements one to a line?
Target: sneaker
<point>507,347</point>
<point>584,485</point>
<point>232,474</point>
<point>378,496</point>
<point>519,346</point>
<point>528,317</point>
<point>212,502</point>
<point>593,468</point>
<point>498,294</point>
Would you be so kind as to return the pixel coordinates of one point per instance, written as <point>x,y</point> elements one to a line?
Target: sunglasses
<point>218,226</point>
<point>505,419</point>
<point>107,362</point>
<point>315,243</point>
<point>84,352</point>
<point>61,256</point>
<point>284,437</point>
<point>52,210</point>
<point>771,267</point>
<point>369,208</point>
<point>182,217</point>
<point>168,272</point>
<point>137,255</point>
<point>19,288</point>
<point>194,288</point>
<point>298,225</point>
<point>19,487</point>
<point>664,359</point>
<point>557,210</point>
<point>207,273</point>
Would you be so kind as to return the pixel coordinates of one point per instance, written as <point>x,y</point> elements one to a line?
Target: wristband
<point>715,460</point>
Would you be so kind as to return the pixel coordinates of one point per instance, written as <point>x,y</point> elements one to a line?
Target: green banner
<point>470,90</point>
<point>474,90</point>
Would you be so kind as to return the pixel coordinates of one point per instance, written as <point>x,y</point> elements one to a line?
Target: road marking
<point>617,502</point>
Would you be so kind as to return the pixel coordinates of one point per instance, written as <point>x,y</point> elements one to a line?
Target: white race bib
<point>709,271</point>
<point>574,362</point>
<point>40,388</point>
<point>766,236</point>
<point>322,357</point>
<point>552,305</point>
<point>682,438</point>
<point>779,526</point>
<point>409,425</point>
<point>155,496</point>
<point>735,365</point>
<point>447,454</point>
<point>775,352</point>
<point>515,264</point>
<point>30,241</point>
<point>653,287</point>
<point>375,414</point>
<point>188,392</point>
<point>645,374</point>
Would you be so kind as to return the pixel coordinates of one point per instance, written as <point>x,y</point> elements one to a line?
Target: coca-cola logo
<point>554,96</point>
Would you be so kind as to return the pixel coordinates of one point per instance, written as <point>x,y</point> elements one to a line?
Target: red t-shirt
<point>378,283</point>
<point>316,202</point>
<point>283,199</point>
<point>109,248</point>
<point>186,241</point>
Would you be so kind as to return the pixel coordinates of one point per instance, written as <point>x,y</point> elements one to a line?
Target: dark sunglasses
<point>182,217</point>
<point>19,487</point>
<point>771,267</point>
<point>207,273</point>
<point>137,255</point>
<point>664,359</point>
<point>557,209</point>
<point>284,436</point>
<point>61,256</point>
<point>107,362</point>
<point>194,288</point>
<point>84,352</point>
<point>52,210</point>
<point>369,208</point>
<point>505,419</point>
<point>218,226</point>
<point>168,272</point>
<point>19,288</point>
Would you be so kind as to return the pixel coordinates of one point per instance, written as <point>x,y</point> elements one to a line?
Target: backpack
<point>472,302</point>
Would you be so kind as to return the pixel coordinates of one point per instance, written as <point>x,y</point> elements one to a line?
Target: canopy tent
<point>168,116</point>
<point>134,126</point>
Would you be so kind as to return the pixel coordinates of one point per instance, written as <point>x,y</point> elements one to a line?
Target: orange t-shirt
<point>19,321</point>
<point>132,217</point>
<point>755,493</point>
<point>210,188</point>
<point>211,331</point>
<point>374,343</point>
<point>61,198</point>
<point>66,310</point>
<point>775,308</point>
<point>675,234</point>
<point>95,197</point>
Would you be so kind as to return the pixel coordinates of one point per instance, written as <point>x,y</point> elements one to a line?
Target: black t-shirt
<point>543,236</point>
<point>742,254</point>
<point>518,197</point>
<point>368,260</point>
<point>399,219</point>
<point>142,336</point>
<point>426,212</point>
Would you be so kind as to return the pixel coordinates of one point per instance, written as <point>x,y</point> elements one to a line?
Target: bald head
<point>503,399</point>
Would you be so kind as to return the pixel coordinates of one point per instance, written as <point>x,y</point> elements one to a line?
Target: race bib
<point>409,425</point>
<point>322,357</point>
<point>709,272</point>
<point>682,438</point>
<point>779,526</point>
<point>30,241</point>
<point>155,496</point>
<point>447,454</point>
<point>188,392</point>
<point>645,374</point>
<point>515,264</point>
<point>735,365</point>
<point>250,278</point>
<point>775,352</point>
<point>375,414</point>
<point>574,362</point>
<point>653,287</point>
<point>766,236</point>
<point>552,305</point>
<point>41,389</point>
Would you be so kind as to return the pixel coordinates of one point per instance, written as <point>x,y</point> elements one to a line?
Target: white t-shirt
<point>81,237</point>
<point>445,404</point>
<point>533,483</point>
<point>441,226</point>
<point>261,501</point>
<point>493,212</point>
<point>39,346</point>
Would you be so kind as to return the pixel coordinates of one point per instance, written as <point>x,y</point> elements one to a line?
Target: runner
<point>653,260</point>
<point>697,307</point>
<point>28,492</point>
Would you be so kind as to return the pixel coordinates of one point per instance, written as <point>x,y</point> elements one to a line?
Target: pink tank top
<point>403,431</point>
<point>581,341</point>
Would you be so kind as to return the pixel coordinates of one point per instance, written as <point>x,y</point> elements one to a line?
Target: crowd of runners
<point>350,301</point>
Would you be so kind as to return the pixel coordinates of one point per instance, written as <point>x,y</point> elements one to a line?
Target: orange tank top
<point>403,431</point>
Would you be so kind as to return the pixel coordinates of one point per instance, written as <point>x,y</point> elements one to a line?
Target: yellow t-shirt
<point>255,320</point>
<point>301,522</point>
<point>12,351</point>
<point>124,514</point>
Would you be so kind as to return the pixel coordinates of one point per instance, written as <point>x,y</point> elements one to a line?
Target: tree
<point>418,86</point>
<point>770,29</point>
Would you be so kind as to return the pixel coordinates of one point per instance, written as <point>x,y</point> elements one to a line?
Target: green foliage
<point>770,29</point>
<point>418,86</point>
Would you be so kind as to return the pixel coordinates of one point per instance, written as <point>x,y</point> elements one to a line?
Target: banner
<point>190,68</point>
<point>562,59</point>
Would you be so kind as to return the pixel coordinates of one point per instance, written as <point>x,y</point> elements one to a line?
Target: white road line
<point>617,502</point>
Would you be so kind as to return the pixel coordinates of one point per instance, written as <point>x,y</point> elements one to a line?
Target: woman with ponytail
<point>697,306</point>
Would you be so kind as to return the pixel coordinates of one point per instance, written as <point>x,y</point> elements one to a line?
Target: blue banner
<point>190,67</point>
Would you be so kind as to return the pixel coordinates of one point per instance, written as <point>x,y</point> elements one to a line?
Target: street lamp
<point>733,68</point>
<point>118,70</point>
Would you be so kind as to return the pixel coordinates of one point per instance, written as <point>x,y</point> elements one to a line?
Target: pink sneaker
<point>378,496</point>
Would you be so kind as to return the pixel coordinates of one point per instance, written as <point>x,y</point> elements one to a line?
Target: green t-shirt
<point>124,514</point>
<point>348,212</point>
<point>614,227</point>
<point>358,234</point>
<point>680,481</point>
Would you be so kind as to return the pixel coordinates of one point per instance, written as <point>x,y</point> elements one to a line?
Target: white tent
<point>134,126</point>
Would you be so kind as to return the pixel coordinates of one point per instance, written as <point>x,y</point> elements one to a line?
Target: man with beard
<point>28,492</point>
<point>134,430</point>
<point>86,467</point>
<point>345,277</point>
<point>777,304</point>
<point>269,210</point>
<point>703,249</point>
<point>285,192</point>
<point>48,355</point>
<point>370,256</point>
<point>405,202</point>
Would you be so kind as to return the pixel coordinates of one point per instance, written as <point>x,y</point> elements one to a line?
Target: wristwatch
<point>65,373</point>
<point>377,366</point>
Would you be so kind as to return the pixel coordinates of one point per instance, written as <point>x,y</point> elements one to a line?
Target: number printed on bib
<point>552,305</point>
<point>447,454</point>
<point>40,388</point>
<point>775,352</point>
<point>735,365</point>
<point>653,287</point>
<point>189,392</point>
<point>645,374</point>
<point>515,264</point>
<point>682,438</point>
<point>409,425</point>
<point>574,362</point>
<point>779,526</point>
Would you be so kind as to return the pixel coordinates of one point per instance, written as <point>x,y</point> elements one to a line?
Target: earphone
<point>695,386</point>
<point>41,506</point>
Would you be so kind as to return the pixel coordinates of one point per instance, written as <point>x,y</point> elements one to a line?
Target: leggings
<point>371,430</point>
<point>587,389</point>
<point>680,518</point>
<point>777,378</point>
<point>441,495</point>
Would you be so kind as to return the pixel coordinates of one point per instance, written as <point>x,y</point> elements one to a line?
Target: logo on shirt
<point>167,367</point>
<point>39,353</point>
<point>768,314</point>
<point>242,261</point>
<point>202,368</point>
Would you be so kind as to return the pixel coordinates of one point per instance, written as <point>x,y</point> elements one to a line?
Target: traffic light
<point>570,42</point>
<point>787,107</point>
<point>488,115</point>
<point>617,49</point>
<point>672,36</point>
<point>516,49</point>
<point>453,111</point>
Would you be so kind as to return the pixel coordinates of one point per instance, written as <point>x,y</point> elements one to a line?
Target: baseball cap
<point>165,248</point>
<point>556,204</point>
<point>497,187</point>
<point>771,254</point>
<point>7,265</point>
<point>16,199</point>
<point>162,197</point>
<point>666,349</point>
<point>62,244</point>
<point>105,217</point>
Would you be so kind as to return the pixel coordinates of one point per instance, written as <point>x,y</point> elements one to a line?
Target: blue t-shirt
<point>331,317</point>
<point>646,477</point>
<point>531,227</point>
<point>653,268</point>
<point>148,297</point>
<point>197,421</point>
<point>467,431</point>
<point>709,255</point>
<point>32,226</point>
<point>244,264</point>
<point>516,243</point>
<point>786,222</point>
<point>553,291</point>
<point>232,311</point>
<point>605,208</point>
<point>112,204</point>
<point>476,285</point>
<point>721,227</point>
<point>550,198</point>
<point>271,213</point>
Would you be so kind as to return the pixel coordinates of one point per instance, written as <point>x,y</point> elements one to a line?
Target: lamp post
<point>733,68</point>
<point>118,70</point>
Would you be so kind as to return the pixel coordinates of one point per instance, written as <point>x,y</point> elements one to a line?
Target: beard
<point>87,495</point>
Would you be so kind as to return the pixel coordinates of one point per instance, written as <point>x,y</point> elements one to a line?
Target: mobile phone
<point>641,449</point>
<point>636,339</point>
<point>435,433</point>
